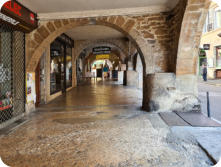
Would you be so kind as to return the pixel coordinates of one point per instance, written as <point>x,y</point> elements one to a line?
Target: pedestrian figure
<point>204,72</point>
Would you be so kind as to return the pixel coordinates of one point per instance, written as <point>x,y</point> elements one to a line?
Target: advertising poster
<point>30,88</point>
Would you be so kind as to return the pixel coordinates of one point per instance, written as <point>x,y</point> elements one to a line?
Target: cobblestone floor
<point>108,132</point>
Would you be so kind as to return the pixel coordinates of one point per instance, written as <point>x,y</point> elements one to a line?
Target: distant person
<point>105,71</point>
<point>204,72</point>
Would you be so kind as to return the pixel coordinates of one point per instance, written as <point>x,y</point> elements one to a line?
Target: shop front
<point>15,21</point>
<point>61,64</point>
<point>218,62</point>
<point>53,75</point>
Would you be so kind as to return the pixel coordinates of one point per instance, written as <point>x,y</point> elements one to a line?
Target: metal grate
<point>12,74</point>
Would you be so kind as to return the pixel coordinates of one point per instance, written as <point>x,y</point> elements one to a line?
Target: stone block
<point>120,21</point>
<point>159,88</point>
<point>43,31</point>
<point>50,26</point>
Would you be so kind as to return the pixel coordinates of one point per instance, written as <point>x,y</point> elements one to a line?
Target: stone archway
<point>154,39</point>
<point>191,31</point>
<point>119,45</point>
<point>49,30</point>
<point>39,40</point>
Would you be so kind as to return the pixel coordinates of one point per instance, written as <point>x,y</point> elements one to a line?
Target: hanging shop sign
<point>101,57</point>
<point>15,14</point>
<point>206,46</point>
<point>101,50</point>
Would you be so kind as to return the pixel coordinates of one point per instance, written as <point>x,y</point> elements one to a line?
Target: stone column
<point>159,92</point>
<point>188,52</point>
<point>131,75</point>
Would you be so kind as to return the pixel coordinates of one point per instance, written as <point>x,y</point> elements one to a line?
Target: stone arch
<point>189,41</point>
<point>118,44</point>
<point>49,30</point>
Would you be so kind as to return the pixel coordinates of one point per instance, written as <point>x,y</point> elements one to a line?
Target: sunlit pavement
<point>214,96</point>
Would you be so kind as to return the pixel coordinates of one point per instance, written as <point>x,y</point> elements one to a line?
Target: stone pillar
<point>139,69</point>
<point>131,76</point>
<point>159,90</point>
<point>188,51</point>
<point>163,92</point>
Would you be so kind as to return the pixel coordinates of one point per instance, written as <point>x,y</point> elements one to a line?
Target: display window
<point>57,65</point>
<point>68,66</point>
<point>60,66</point>
<point>218,56</point>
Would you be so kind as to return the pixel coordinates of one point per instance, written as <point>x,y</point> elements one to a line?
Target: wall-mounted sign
<point>100,57</point>
<point>206,46</point>
<point>101,50</point>
<point>18,16</point>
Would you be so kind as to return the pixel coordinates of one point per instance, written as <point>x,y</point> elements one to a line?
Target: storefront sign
<point>18,16</point>
<point>101,50</point>
<point>206,46</point>
<point>100,57</point>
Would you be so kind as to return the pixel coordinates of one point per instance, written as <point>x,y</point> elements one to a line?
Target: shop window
<point>68,67</point>
<point>218,56</point>
<point>218,18</point>
<point>61,65</point>
<point>57,65</point>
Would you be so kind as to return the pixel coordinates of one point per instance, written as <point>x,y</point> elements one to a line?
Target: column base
<point>163,93</point>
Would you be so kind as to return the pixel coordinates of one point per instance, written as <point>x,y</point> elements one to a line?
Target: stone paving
<point>108,133</point>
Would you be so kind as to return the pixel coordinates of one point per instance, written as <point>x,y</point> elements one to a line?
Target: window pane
<point>218,18</point>
<point>56,67</point>
<point>68,67</point>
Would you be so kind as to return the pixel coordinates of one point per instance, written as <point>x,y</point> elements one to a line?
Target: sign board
<point>206,46</point>
<point>16,15</point>
<point>101,50</point>
<point>101,57</point>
